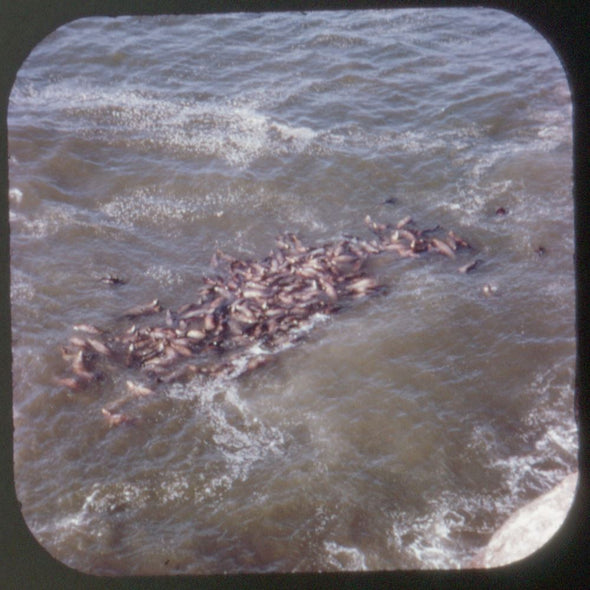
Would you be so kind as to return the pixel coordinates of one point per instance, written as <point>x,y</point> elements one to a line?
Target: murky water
<point>397,433</point>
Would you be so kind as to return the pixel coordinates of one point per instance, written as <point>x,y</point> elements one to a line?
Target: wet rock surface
<point>529,528</point>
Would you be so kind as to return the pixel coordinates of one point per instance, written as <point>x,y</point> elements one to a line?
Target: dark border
<point>562,563</point>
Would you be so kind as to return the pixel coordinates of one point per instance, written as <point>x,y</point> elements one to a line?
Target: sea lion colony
<point>240,317</point>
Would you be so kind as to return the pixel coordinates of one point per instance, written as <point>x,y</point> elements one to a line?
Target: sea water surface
<point>397,433</point>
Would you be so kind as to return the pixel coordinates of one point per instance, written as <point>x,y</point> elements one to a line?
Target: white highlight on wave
<point>22,288</point>
<point>243,441</point>
<point>433,540</point>
<point>427,539</point>
<point>15,195</point>
<point>39,228</point>
<point>240,437</point>
<point>143,205</point>
<point>88,525</point>
<point>237,131</point>
<point>152,206</point>
<point>344,558</point>
<point>164,275</point>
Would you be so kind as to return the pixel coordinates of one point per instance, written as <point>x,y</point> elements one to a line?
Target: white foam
<point>230,129</point>
<point>22,289</point>
<point>555,128</point>
<point>110,497</point>
<point>144,205</point>
<point>38,228</point>
<point>63,528</point>
<point>152,207</point>
<point>86,525</point>
<point>345,558</point>
<point>164,275</point>
<point>425,538</point>
<point>242,442</point>
<point>243,447</point>
<point>433,539</point>
<point>15,195</point>
<point>48,220</point>
<point>176,487</point>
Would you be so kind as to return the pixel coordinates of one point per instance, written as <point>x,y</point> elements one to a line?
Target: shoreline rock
<point>529,528</point>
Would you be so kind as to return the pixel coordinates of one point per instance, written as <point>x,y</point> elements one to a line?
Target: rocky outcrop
<point>529,528</point>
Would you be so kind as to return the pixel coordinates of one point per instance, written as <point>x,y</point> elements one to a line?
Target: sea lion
<point>113,280</point>
<point>455,241</point>
<point>442,247</point>
<point>404,222</point>
<point>140,310</point>
<point>88,328</point>
<point>99,346</point>
<point>116,419</point>
<point>137,389</point>
<point>74,383</point>
<point>418,245</point>
<point>470,266</point>
<point>489,290</point>
<point>246,302</point>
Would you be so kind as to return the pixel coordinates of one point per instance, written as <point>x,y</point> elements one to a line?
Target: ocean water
<point>397,433</point>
